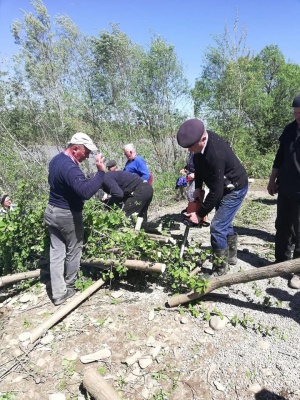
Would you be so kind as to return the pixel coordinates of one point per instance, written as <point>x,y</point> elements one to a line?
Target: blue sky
<point>187,24</point>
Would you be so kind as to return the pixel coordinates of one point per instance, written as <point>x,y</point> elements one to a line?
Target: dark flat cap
<point>111,163</point>
<point>190,132</point>
<point>296,101</point>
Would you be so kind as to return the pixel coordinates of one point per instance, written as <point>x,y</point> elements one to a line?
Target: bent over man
<point>218,167</point>
<point>69,188</point>
<point>129,189</point>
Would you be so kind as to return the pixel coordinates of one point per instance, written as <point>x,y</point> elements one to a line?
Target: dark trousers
<point>139,201</point>
<point>287,226</point>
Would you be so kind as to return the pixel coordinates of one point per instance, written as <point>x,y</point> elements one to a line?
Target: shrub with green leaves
<point>24,239</point>
<point>23,235</point>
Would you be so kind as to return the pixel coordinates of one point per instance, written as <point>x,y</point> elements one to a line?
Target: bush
<point>23,234</point>
<point>258,166</point>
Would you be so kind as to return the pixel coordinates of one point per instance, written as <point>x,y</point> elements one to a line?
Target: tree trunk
<point>97,386</point>
<point>130,264</point>
<point>6,280</point>
<point>255,274</point>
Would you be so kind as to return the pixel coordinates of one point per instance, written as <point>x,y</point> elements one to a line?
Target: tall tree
<point>161,90</point>
<point>218,93</point>
<point>267,105</point>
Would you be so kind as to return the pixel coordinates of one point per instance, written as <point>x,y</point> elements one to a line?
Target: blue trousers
<point>221,224</point>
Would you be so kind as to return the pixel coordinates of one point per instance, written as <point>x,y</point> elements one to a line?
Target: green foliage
<point>246,98</point>
<point>7,396</point>
<point>23,235</point>
<point>109,235</point>
<point>248,322</point>
<point>257,165</point>
<point>69,367</point>
<point>252,213</point>
<point>160,395</point>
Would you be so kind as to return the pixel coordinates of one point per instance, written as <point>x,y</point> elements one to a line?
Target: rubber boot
<point>232,249</point>
<point>220,261</point>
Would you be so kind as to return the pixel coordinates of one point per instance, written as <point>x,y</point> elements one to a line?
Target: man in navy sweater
<point>218,167</point>
<point>69,188</point>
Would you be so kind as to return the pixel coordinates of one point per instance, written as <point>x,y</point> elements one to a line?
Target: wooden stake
<point>97,386</point>
<point>255,274</point>
<point>63,310</point>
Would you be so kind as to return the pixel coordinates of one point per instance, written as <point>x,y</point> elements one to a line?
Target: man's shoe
<point>294,282</point>
<point>69,293</point>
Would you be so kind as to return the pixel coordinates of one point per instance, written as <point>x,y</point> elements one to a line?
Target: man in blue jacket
<point>136,164</point>
<point>69,188</point>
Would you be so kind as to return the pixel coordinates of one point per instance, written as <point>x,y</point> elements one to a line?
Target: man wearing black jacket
<point>285,179</point>
<point>218,167</point>
<point>130,189</point>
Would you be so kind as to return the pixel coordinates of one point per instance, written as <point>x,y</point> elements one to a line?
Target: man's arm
<point>272,185</point>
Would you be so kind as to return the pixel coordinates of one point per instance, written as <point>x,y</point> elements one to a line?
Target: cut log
<point>63,311</point>
<point>255,274</point>
<point>130,264</point>
<point>161,239</point>
<point>97,386</point>
<point>6,280</point>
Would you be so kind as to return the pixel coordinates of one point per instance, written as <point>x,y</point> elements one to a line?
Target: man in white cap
<point>69,188</point>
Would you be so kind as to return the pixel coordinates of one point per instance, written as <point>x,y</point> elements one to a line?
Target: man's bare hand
<point>272,188</point>
<point>100,162</point>
<point>193,217</point>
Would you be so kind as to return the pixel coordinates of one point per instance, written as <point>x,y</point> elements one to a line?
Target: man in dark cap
<point>285,180</point>
<point>218,167</point>
<point>111,165</point>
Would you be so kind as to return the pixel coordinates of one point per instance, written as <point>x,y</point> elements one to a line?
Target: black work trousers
<point>138,202</point>
<point>287,226</point>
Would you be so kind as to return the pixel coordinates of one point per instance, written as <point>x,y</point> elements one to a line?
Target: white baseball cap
<point>84,139</point>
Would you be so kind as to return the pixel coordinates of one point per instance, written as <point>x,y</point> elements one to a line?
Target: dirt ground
<point>144,350</point>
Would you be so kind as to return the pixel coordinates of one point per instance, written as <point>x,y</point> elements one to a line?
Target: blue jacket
<point>138,166</point>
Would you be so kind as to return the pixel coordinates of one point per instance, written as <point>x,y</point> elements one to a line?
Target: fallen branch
<point>161,239</point>
<point>255,274</point>
<point>6,280</point>
<point>63,311</point>
<point>98,387</point>
<point>130,264</point>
